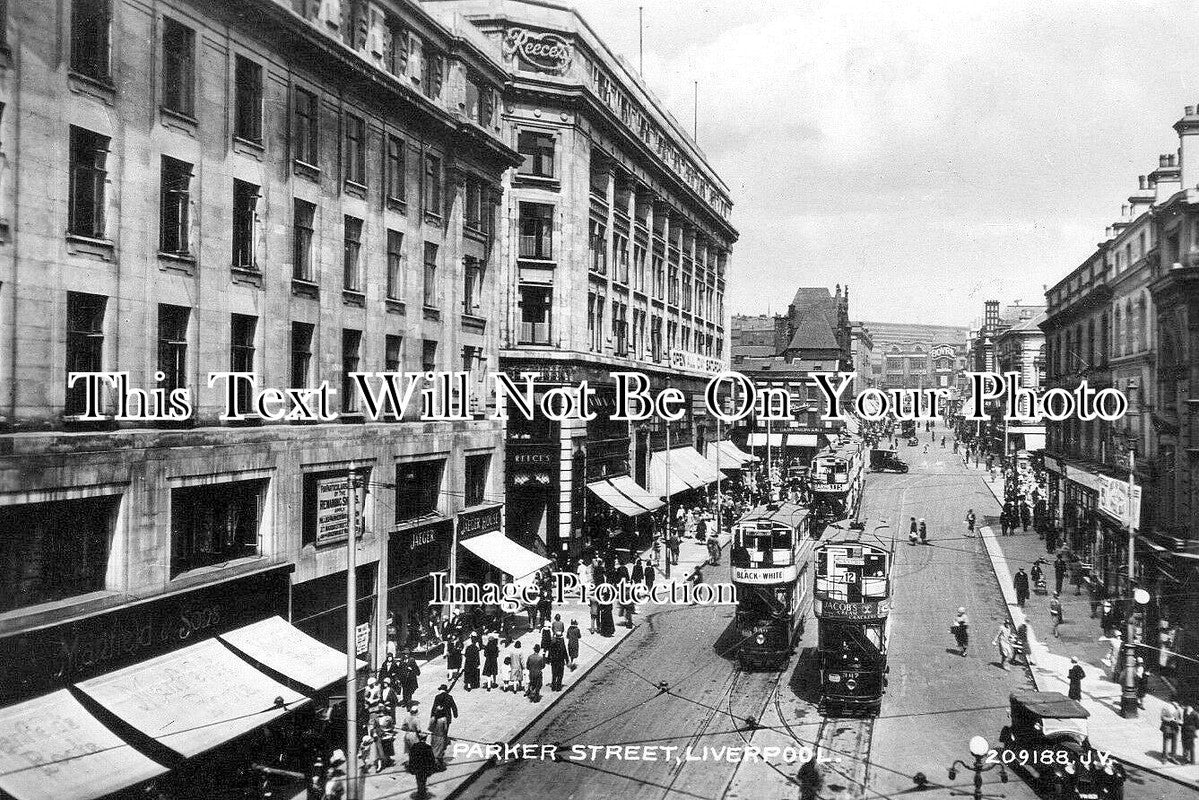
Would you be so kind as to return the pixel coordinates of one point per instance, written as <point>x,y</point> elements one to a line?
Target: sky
<point>930,154</point>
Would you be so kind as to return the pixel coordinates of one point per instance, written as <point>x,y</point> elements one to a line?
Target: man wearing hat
<point>443,711</point>
<point>421,763</point>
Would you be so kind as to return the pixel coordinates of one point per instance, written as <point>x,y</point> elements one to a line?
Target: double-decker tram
<point>852,601</point>
<point>772,551</point>
<point>838,477</point>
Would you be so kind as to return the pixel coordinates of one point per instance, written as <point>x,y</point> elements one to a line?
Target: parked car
<point>1047,740</point>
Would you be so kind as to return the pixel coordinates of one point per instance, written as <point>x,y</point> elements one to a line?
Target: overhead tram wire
<point>786,730</point>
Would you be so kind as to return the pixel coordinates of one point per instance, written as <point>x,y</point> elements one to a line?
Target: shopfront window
<point>52,551</point>
<point>215,523</point>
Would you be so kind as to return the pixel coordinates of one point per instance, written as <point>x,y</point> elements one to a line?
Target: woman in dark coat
<point>491,655</point>
<point>453,659</point>
<point>470,675</point>
<point>546,638</point>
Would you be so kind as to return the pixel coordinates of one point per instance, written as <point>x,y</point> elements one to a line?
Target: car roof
<point>1052,705</point>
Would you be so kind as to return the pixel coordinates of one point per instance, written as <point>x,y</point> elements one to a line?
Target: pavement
<point>486,718</point>
<point>1136,741</point>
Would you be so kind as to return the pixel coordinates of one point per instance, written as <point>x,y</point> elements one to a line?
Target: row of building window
<point>387,42</point>
<point>86,217</point>
<point>86,334</point>
<point>626,341</point>
<point>640,123</point>
<point>537,150</point>
<point>56,550</point>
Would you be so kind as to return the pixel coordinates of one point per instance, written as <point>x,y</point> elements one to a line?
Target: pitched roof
<point>816,311</point>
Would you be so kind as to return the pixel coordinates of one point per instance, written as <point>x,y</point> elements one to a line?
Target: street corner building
<point>300,190</point>
<point>305,189</point>
<point>617,258</point>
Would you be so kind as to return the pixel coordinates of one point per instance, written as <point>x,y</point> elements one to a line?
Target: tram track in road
<point>772,696</point>
<point>845,735</point>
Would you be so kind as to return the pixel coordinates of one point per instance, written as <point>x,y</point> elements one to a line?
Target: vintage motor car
<point>1047,739</point>
<point>883,460</point>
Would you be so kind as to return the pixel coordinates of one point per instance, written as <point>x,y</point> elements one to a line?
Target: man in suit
<point>535,668</point>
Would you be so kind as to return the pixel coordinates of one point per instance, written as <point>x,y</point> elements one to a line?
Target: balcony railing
<point>534,333</point>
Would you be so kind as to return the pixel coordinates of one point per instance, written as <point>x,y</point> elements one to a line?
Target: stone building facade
<point>617,245</point>
<point>298,190</point>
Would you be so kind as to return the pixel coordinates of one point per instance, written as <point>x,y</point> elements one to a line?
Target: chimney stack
<point>1141,200</point>
<point>1165,179</point>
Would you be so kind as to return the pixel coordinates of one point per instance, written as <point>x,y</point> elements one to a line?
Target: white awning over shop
<point>852,425</point>
<point>732,449</point>
<point>1034,441</point>
<point>605,491</point>
<point>193,699</point>
<point>727,456</point>
<point>802,440</point>
<point>704,469</point>
<point>761,439</point>
<point>51,748</point>
<point>280,646</point>
<point>505,555</point>
<point>682,474</point>
<point>632,490</point>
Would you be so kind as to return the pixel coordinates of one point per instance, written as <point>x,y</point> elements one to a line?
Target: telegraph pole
<point>352,792</point>
<point>1128,693</point>
<point>669,521</point>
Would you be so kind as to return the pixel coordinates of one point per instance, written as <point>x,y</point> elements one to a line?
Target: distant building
<point>782,351</point>
<point>861,346</point>
<point>1021,349</point>
<point>913,355</point>
<point>985,357</point>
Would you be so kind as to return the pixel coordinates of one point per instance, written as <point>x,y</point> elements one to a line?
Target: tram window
<point>764,601</point>
<point>865,639</point>
<point>876,566</point>
<point>782,539</point>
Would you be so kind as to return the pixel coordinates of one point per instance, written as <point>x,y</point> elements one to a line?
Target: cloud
<point>917,150</point>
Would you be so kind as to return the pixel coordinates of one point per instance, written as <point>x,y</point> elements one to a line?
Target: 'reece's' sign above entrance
<point>539,52</point>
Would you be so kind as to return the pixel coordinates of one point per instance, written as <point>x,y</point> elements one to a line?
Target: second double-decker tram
<point>852,603</point>
<point>838,478</point>
<point>771,554</point>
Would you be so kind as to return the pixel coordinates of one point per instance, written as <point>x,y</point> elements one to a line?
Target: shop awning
<point>704,469</point>
<point>730,458</point>
<point>761,439</point>
<point>852,425</point>
<point>632,490</point>
<point>1034,441</point>
<point>802,440</point>
<point>605,491</point>
<point>51,748</point>
<point>506,555</point>
<point>280,646</point>
<point>193,699</point>
<point>682,474</point>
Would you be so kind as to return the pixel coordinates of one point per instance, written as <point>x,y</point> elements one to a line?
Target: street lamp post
<point>1129,703</point>
<point>352,787</point>
<point>979,749</point>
